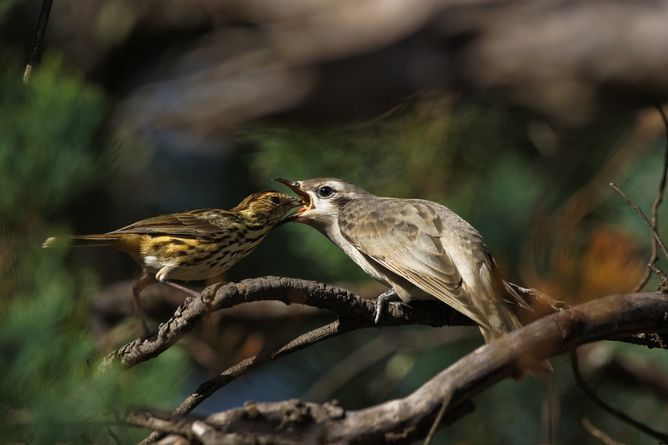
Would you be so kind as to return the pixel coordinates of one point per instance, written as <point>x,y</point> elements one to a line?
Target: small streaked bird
<point>418,248</point>
<point>193,245</point>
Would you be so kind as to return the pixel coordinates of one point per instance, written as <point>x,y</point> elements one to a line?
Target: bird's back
<point>433,249</point>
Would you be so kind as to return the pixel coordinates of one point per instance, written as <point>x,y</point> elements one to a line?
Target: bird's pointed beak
<point>304,197</point>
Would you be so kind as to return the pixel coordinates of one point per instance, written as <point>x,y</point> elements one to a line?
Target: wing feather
<point>203,223</point>
<point>406,237</point>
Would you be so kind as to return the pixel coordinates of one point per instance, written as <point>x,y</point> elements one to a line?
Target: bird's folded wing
<point>405,237</point>
<point>193,224</point>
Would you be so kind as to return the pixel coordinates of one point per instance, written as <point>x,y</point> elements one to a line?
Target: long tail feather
<point>80,241</point>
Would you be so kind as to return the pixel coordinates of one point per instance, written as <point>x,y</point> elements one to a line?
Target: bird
<point>420,249</point>
<point>192,245</point>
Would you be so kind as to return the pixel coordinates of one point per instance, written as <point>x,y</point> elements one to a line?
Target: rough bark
<point>406,419</point>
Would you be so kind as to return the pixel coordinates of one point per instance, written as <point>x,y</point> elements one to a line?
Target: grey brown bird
<point>193,245</point>
<point>420,249</point>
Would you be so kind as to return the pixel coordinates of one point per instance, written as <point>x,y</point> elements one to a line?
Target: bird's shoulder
<point>411,218</point>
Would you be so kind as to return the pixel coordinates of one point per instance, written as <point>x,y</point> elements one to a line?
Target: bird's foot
<point>381,303</point>
<point>144,281</point>
<point>399,304</point>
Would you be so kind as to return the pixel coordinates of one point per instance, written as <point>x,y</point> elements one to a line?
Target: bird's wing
<point>405,236</point>
<point>192,224</point>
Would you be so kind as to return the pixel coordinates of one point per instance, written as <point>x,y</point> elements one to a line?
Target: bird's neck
<point>254,220</point>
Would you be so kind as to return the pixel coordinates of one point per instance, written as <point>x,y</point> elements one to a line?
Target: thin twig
<point>653,231</point>
<point>598,434</point>
<point>649,377</point>
<point>610,409</point>
<point>38,40</point>
<point>437,420</point>
<point>317,335</point>
<point>376,350</point>
<point>658,199</point>
<point>207,388</point>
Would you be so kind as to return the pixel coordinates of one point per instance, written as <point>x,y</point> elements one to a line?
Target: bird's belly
<point>360,259</point>
<point>406,290</point>
<point>193,260</point>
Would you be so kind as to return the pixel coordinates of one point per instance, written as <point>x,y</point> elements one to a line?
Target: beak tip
<point>284,181</point>
<point>296,187</point>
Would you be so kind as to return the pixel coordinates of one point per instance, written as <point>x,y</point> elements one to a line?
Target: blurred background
<point>514,114</point>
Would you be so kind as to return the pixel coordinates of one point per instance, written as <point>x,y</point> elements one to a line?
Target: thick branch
<point>404,420</point>
<point>287,290</point>
<point>354,309</point>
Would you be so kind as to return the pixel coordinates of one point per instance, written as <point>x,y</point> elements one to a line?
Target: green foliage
<point>5,6</point>
<point>47,150</point>
<point>470,158</point>
<point>51,388</point>
<point>453,155</point>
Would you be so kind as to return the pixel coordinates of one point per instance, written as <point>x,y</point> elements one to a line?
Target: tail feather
<point>542,369</point>
<point>504,320</point>
<point>80,241</point>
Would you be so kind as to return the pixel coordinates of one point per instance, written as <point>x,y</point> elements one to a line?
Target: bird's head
<point>271,207</point>
<point>322,199</point>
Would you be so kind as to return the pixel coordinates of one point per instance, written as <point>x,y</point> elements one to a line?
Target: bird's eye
<point>325,191</point>
<point>275,200</point>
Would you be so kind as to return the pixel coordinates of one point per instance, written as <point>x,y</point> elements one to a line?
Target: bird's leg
<point>184,289</point>
<point>161,276</point>
<point>142,283</point>
<point>382,301</point>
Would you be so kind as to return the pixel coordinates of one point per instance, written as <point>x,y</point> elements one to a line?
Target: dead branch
<point>212,385</point>
<point>649,377</point>
<point>591,393</point>
<point>658,199</point>
<point>38,40</point>
<point>598,434</point>
<point>287,290</point>
<point>404,420</point>
<point>354,313</point>
<point>641,214</point>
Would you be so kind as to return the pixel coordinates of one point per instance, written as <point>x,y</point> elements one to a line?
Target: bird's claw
<point>378,312</point>
<point>381,302</point>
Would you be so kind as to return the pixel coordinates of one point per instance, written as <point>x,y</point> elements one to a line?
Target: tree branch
<point>354,313</point>
<point>407,419</point>
<point>658,199</point>
<point>598,434</point>
<point>609,408</point>
<point>287,290</point>
<point>38,40</point>
<point>641,214</point>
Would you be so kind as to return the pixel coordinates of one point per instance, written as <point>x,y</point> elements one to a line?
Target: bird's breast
<point>334,234</point>
<point>198,259</point>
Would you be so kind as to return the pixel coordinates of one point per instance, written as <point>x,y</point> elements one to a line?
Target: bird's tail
<point>503,320</point>
<point>506,322</point>
<point>104,239</point>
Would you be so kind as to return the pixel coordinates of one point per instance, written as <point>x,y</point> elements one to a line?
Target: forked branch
<point>407,419</point>
<point>346,305</point>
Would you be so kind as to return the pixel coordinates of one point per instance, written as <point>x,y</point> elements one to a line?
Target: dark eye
<point>275,200</point>
<point>325,191</point>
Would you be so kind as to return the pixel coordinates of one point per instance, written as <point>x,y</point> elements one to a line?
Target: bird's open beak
<point>303,197</point>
